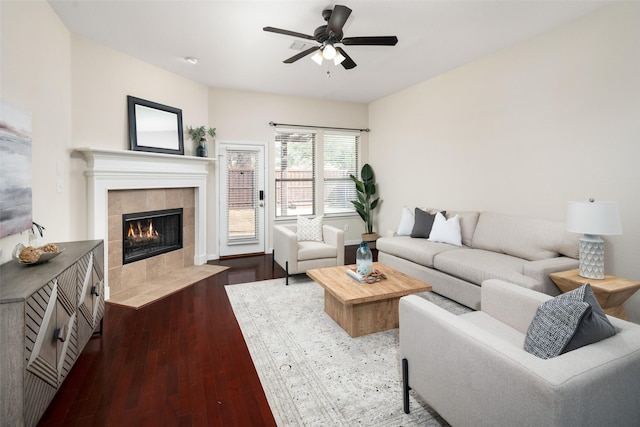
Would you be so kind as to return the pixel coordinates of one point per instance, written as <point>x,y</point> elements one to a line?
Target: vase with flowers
<point>198,135</point>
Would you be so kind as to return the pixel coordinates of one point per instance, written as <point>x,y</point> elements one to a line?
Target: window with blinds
<point>340,160</point>
<point>295,172</point>
<point>298,171</point>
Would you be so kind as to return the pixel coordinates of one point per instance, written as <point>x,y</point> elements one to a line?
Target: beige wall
<point>35,74</point>
<point>245,116</point>
<point>76,90</point>
<point>101,80</point>
<point>523,131</point>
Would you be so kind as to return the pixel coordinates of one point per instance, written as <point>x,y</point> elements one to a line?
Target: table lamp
<point>593,219</point>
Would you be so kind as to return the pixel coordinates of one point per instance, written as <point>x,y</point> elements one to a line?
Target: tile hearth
<point>137,296</point>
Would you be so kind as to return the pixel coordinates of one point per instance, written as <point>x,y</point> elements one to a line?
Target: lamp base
<point>591,251</point>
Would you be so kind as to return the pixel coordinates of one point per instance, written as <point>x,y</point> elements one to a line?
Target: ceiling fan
<point>331,34</point>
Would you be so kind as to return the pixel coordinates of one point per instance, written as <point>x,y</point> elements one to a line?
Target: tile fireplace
<point>136,220</point>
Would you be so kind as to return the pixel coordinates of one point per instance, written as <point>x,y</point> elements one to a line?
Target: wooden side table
<point>611,292</point>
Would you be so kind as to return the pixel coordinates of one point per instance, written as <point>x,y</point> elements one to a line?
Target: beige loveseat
<point>473,371</point>
<point>520,250</point>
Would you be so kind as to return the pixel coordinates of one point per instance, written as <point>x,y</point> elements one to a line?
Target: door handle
<point>261,197</point>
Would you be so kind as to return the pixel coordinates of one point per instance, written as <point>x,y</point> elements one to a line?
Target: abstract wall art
<point>15,169</point>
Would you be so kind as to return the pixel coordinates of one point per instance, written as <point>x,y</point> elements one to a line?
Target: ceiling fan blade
<point>348,62</point>
<point>338,18</point>
<point>302,54</point>
<point>288,33</point>
<point>370,41</point>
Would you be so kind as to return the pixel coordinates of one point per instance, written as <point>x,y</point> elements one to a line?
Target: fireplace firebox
<point>147,234</point>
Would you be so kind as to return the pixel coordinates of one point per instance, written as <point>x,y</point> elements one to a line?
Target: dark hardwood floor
<point>181,361</point>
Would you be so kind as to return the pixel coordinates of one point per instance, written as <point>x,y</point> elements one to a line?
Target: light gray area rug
<point>313,373</point>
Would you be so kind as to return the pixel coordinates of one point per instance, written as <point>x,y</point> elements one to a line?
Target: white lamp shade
<point>597,218</point>
<point>338,59</point>
<point>317,57</point>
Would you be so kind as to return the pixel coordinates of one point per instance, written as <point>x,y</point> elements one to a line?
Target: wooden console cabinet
<point>48,313</point>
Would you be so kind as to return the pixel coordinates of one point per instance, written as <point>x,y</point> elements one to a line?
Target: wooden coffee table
<point>362,308</point>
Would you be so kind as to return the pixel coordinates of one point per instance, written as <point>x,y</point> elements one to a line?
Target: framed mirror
<point>154,127</point>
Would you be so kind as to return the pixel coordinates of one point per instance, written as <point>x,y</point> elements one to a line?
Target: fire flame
<point>138,232</point>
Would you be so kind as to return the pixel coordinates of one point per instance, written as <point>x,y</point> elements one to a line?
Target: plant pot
<point>370,238</point>
<point>202,151</point>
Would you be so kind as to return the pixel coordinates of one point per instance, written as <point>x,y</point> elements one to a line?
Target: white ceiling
<point>235,53</point>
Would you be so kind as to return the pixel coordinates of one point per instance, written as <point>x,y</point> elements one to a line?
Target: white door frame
<point>220,147</point>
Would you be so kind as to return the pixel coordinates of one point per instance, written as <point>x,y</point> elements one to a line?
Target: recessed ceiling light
<point>191,60</point>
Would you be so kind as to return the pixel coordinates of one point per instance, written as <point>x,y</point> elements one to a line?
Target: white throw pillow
<point>407,220</point>
<point>309,229</point>
<point>446,230</point>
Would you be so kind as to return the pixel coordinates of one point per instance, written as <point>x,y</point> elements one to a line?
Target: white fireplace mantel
<point>129,170</point>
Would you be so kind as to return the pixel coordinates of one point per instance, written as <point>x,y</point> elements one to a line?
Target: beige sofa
<point>520,250</point>
<point>473,371</point>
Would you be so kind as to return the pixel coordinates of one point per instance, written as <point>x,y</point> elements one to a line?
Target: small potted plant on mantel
<point>198,135</point>
<point>366,190</point>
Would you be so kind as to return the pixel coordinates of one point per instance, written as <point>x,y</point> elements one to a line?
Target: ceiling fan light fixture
<point>329,52</point>
<point>330,34</point>
<point>317,57</point>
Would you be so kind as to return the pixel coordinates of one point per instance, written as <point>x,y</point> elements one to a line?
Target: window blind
<point>242,207</point>
<point>295,172</point>
<point>340,160</point>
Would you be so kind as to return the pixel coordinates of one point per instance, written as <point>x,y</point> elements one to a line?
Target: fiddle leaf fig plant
<point>366,190</point>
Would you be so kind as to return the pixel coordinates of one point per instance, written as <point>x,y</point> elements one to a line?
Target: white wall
<point>523,131</point>
<point>35,75</point>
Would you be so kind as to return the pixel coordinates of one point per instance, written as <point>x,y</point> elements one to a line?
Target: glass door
<point>242,199</point>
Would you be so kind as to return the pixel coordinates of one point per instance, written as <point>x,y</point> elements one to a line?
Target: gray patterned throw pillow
<point>567,322</point>
<point>309,230</point>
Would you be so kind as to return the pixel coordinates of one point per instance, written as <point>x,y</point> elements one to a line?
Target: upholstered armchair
<point>297,256</point>
<point>472,369</point>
